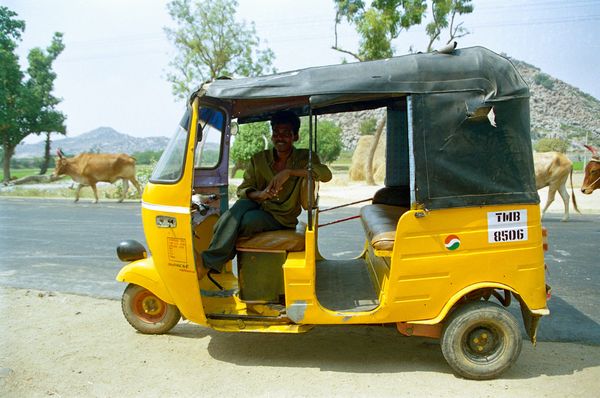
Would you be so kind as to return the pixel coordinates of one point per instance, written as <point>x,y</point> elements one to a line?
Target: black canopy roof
<point>468,114</point>
<point>469,69</point>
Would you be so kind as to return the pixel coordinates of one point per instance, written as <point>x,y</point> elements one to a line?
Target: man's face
<point>283,137</point>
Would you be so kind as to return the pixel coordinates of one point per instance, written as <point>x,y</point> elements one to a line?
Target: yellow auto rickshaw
<point>453,236</point>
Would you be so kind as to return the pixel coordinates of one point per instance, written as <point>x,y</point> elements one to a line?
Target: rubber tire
<point>488,317</point>
<point>159,323</point>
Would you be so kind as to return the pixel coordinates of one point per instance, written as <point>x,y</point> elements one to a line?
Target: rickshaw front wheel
<point>146,312</point>
<point>481,340</point>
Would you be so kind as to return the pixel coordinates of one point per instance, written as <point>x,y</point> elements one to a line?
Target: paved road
<point>56,245</point>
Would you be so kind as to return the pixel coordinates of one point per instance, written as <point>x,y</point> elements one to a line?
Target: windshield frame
<point>184,125</point>
<point>201,135</point>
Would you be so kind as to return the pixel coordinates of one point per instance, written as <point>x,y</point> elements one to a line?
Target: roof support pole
<point>310,175</point>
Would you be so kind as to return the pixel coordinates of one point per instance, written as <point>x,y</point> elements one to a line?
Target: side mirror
<point>234,128</point>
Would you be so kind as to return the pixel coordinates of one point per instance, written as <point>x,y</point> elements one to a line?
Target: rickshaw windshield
<point>211,124</point>
<point>170,165</point>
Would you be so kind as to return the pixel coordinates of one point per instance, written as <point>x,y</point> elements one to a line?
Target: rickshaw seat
<point>289,240</point>
<point>379,222</point>
<point>393,195</point>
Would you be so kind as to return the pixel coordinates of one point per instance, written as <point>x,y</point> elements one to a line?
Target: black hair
<point>286,117</point>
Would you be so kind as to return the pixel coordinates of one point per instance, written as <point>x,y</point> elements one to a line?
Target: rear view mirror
<point>234,128</point>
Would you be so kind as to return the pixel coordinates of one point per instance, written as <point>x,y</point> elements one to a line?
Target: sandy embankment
<point>73,346</point>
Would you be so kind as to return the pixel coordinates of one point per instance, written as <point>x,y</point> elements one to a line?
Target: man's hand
<point>277,182</point>
<point>261,196</point>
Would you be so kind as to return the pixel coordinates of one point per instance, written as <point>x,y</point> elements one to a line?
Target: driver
<point>269,196</point>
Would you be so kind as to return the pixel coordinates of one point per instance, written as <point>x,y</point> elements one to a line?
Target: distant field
<point>18,173</point>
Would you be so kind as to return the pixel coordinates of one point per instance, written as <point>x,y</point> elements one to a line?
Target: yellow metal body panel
<point>143,273</point>
<point>426,278</point>
<point>257,326</point>
<point>172,248</point>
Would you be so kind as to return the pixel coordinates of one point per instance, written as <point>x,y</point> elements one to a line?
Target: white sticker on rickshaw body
<point>507,226</point>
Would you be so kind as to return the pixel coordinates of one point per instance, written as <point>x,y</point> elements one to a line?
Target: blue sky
<point>112,72</point>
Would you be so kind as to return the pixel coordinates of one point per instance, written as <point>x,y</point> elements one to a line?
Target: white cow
<point>552,170</point>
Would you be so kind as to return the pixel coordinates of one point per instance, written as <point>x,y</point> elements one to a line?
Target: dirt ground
<point>64,345</point>
<point>55,344</point>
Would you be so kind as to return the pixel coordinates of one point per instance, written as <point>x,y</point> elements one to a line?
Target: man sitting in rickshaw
<point>269,196</point>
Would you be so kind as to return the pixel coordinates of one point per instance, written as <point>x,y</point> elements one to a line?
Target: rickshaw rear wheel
<point>481,340</point>
<point>146,312</point>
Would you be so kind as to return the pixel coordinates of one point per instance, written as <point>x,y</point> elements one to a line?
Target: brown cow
<point>552,170</point>
<point>89,168</point>
<point>591,179</point>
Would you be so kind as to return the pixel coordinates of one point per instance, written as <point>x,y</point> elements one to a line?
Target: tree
<point>41,83</point>
<point>25,107</point>
<point>212,44</point>
<point>377,25</point>
<point>250,139</point>
<point>329,140</point>
<point>440,11</point>
<point>11,87</point>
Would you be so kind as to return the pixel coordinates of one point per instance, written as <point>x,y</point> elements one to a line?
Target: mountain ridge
<point>101,139</point>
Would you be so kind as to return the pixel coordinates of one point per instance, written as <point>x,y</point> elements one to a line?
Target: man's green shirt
<point>285,207</point>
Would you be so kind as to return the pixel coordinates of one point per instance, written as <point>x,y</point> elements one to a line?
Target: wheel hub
<point>151,306</point>
<point>482,341</point>
<point>148,307</point>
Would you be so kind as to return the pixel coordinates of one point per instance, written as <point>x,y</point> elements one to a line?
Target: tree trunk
<point>238,165</point>
<point>46,161</point>
<point>8,153</point>
<point>369,165</point>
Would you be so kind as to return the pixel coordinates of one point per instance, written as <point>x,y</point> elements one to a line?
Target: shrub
<point>551,144</point>
<point>368,126</point>
<point>329,142</point>
<point>249,140</point>
<point>147,157</point>
<point>544,80</point>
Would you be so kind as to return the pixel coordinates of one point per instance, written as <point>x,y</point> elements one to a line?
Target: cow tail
<point>573,192</point>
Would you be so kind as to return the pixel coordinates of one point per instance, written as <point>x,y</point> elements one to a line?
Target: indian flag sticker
<point>452,242</point>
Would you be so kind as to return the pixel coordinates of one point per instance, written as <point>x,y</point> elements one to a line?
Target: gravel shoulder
<point>64,345</point>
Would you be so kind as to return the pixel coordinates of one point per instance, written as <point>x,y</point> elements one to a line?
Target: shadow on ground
<point>378,350</point>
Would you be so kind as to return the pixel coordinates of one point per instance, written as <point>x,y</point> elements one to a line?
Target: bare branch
<point>356,56</point>
<point>454,32</point>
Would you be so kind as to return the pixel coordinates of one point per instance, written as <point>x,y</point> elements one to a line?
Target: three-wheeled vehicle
<point>453,235</point>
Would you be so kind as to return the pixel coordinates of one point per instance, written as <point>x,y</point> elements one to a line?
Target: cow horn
<point>593,150</point>
<point>60,153</point>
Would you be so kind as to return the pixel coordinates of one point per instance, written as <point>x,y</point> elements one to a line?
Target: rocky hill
<point>558,110</point>
<point>102,139</point>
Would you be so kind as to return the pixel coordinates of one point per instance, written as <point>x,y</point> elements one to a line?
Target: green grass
<point>104,192</point>
<point>345,157</point>
<point>19,173</point>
